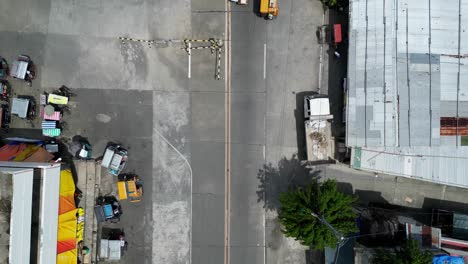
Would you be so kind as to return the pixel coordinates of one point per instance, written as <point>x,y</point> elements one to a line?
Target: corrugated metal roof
<point>49,214</point>
<point>20,240</point>
<point>6,198</point>
<point>439,164</point>
<point>21,211</point>
<point>407,68</point>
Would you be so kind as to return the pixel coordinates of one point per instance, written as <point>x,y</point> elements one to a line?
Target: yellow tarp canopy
<point>67,221</point>
<point>68,257</point>
<point>67,192</point>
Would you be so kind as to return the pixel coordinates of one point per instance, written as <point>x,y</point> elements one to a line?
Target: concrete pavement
<point>141,97</point>
<point>127,92</point>
<point>401,191</point>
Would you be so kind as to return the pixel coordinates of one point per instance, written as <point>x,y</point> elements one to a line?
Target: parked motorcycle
<point>5,90</point>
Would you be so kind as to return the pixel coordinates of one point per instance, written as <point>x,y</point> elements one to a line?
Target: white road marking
<point>167,211</point>
<point>321,60</point>
<point>189,60</point>
<point>264,60</point>
<point>264,231</point>
<point>227,154</point>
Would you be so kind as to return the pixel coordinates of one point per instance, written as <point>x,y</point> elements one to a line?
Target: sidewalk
<point>396,190</point>
<point>89,177</point>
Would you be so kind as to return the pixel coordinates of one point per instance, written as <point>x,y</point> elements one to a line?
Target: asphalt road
<point>273,64</point>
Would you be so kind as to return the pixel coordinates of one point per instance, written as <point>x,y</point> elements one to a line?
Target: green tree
<point>409,253</point>
<point>329,3</point>
<point>335,3</point>
<point>322,199</point>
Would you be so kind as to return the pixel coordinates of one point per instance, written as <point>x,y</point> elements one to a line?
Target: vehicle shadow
<point>287,174</point>
<point>256,7</point>
<point>300,128</point>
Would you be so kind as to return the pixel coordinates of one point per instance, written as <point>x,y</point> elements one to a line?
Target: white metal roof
<point>49,215</point>
<point>20,241</point>
<point>21,210</point>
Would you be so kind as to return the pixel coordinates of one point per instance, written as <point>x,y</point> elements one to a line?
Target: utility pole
<point>341,239</point>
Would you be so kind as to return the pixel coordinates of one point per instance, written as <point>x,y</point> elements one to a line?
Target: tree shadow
<point>289,173</point>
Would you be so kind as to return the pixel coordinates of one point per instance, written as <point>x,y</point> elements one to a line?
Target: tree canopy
<point>408,253</point>
<point>335,3</point>
<point>322,199</point>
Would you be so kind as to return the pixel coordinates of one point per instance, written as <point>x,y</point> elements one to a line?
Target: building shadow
<point>27,133</point>
<point>337,71</point>
<point>367,197</point>
<point>287,174</point>
<point>67,159</point>
<point>430,203</point>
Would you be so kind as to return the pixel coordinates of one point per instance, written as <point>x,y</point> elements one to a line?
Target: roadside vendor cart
<point>110,249</point>
<point>24,106</point>
<point>112,245</point>
<point>107,208</point>
<point>3,68</point>
<point>130,187</point>
<point>23,68</point>
<point>114,159</point>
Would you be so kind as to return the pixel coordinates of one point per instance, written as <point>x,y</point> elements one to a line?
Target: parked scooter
<point>3,68</point>
<point>64,91</point>
<point>5,116</point>
<point>80,147</point>
<point>5,90</point>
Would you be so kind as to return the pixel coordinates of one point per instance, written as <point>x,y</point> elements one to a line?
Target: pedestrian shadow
<point>287,174</point>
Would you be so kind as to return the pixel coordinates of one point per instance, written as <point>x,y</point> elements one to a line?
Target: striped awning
<point>55,116</point>
<point>51,132</point>
<point>49,124</point>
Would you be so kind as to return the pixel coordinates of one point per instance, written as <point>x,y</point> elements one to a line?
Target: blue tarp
<point>447,260</point>
<point>108,211</point>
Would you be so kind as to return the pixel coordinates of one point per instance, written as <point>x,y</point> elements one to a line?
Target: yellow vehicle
<point>269,8</point>
<point>130,187</point>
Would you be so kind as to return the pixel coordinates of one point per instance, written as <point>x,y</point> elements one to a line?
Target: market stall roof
<point>33,201</point>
